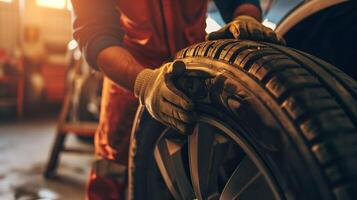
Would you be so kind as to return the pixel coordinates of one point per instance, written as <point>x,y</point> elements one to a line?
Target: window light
<point>6,1</point>
<point>59,4</point>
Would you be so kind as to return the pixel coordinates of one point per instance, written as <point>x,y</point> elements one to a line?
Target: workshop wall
<point>54,24</point>
<point>9,25</point>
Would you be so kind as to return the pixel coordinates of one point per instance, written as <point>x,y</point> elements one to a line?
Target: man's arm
<point>100,37</point>
<point>230,9</point>
<point>97,30</point>
<point>119,65</point>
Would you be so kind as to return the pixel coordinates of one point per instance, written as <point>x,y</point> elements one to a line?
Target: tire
<point>290,114</point>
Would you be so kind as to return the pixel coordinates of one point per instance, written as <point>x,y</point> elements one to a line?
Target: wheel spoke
<point>256,189</point>
<point>206,153</point>
<point>244,173</point>
<point>168,157</point>
<point>246,182</point>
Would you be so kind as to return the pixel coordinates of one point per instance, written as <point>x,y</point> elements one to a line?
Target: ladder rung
<point>79,151</point>
<point>79,128</point>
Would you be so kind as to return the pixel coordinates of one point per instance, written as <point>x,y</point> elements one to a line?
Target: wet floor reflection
<point>27,192</point>
<point>24,150</point>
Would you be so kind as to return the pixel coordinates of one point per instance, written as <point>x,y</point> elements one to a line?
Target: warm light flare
<point>211,25</point>
<point>7,1</point>
<point>59,4</point>
<point>69,5</point>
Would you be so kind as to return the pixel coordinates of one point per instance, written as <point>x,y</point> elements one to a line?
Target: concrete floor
<point>24,150</point>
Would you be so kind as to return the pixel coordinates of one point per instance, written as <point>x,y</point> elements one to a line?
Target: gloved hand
<point>157,92</point>
<point>246,27</point>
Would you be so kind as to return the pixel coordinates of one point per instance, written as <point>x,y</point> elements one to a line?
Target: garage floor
<point>24,149</point>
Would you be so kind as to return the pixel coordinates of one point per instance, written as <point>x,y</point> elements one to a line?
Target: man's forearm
<point>230,9</point>
<point>120,66</point>
<point>248,9</point>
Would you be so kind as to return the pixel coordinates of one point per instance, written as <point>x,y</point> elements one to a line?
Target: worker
<point>130,41</point>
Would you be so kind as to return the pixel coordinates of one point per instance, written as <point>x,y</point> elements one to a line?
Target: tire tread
<point>307,97</point>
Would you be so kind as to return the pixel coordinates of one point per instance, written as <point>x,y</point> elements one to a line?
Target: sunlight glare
<point>59,4</point>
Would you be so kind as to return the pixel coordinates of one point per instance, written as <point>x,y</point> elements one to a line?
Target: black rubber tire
<point>308,106</point>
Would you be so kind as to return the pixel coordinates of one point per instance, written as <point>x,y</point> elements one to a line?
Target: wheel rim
<point>203,173</point>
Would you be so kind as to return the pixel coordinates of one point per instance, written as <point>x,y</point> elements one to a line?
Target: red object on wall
<point>54,76</point>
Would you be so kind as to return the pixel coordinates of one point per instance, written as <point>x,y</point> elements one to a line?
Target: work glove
<point>156,90</point>
<point>246,28</point>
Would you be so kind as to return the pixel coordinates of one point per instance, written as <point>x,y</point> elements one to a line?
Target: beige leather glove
<point>157,92</point>
<point>246,28</point>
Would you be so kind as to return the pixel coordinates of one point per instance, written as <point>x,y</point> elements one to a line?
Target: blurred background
<point>42,78</point>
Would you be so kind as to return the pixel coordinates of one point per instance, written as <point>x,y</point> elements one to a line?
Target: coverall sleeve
<point>96,27</point>
<point>227,7</point>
